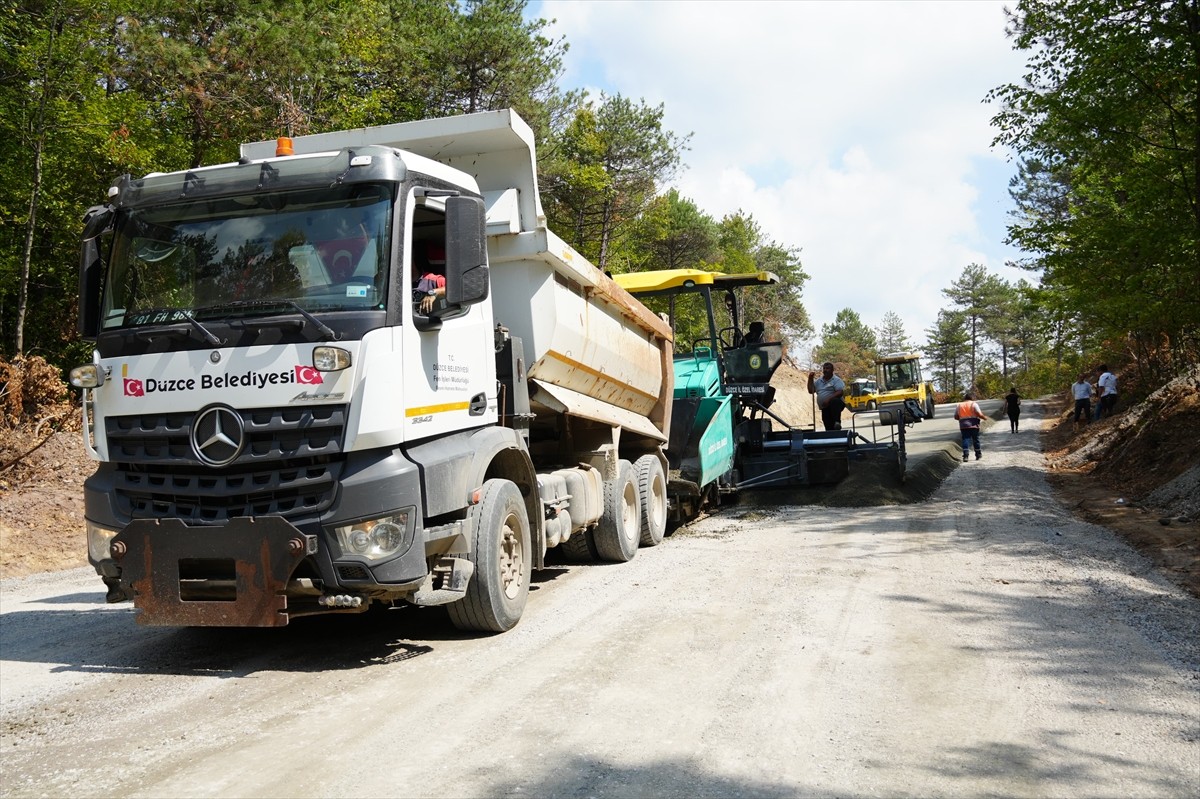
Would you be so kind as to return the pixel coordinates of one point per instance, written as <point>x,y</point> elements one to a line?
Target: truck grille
<point>289,466</point>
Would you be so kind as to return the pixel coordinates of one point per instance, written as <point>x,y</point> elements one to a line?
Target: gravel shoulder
<point>984,642</point>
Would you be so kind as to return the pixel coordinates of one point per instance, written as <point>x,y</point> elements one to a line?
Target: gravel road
<point>981,643</point>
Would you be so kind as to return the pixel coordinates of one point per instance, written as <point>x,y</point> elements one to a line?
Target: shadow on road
<point>107,638</point>
<point>586,776</point>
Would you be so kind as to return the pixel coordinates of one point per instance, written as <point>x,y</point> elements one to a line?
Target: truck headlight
<point>99,538</point>
<point>376,539</point>
<point>89,375</point>
<point>330,359</point>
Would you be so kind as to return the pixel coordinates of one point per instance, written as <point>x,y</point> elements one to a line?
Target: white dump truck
<point>356,368</point>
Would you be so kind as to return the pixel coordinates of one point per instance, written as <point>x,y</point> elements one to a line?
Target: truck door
<point>449,354</point>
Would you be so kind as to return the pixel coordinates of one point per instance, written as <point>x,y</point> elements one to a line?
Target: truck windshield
<point>319,249</point>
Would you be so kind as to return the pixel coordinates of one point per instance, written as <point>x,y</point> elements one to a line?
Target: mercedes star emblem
<point>218,435</point>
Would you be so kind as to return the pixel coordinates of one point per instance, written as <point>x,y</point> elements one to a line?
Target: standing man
<point>1081,391</point>
<point>969,417</point>
<point>829,389</point>
<point>1107,388</point>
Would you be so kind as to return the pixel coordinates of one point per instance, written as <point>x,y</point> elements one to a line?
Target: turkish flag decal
<point>306,375</point>
<point>133,388</point>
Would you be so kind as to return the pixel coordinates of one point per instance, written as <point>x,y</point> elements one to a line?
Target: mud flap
<point>232,575</point>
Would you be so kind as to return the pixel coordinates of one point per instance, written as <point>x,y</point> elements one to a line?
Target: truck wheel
<point>928,406</point>
<point>580,547</point>
<point>652,491</point>
<point>500,550</point>
<point>619,530</point>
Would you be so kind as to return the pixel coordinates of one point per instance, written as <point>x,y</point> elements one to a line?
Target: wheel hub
<point>511,560</point>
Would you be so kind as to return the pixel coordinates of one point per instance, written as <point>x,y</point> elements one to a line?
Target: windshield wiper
<point>177,315</point>
<point>204,331</point>
<point>321,327</point>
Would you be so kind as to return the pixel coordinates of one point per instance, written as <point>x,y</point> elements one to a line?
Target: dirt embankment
<point>1138,473</point>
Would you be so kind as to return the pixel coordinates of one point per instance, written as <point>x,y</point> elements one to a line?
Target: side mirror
<point>91,268</point>
<point>467,280</point>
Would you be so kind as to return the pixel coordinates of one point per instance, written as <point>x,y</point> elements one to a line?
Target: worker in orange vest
<point>969,417</point>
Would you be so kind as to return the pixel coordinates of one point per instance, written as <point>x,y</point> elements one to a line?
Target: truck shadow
<point>92,637</point>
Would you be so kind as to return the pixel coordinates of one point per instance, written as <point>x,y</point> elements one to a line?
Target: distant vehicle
<point>862,394</point>
<point>899,379</point>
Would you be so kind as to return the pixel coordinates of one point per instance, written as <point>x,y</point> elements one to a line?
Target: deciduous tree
<point>1107,122</point>
<point>848,343</point>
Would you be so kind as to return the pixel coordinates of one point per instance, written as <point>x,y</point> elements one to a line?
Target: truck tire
<point>580,547</point>
<point>500,550</point>
<point>929,406</point>
<point>619,531</point>
<point>652,492</point>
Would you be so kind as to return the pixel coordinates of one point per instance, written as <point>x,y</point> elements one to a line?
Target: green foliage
<point>416,60</point>
<point>1108,127</point>
<point>687,238</point>
<point>98,89</point>
<point>604,171</point>
<point>990,382</point>
<point>890,336</point>
<point>672,233</point>
<point>977,294</point>
<point>849,344</point>
<point>60,140</point>
<point>947,352</point>
<point>744,248</point>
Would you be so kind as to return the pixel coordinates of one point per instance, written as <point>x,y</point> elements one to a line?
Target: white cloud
<point>852,130</point>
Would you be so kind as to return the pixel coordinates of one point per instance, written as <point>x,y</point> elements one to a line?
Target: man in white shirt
<point>1081,391</point>
<point>829,389</point>
<point>1108,390</point>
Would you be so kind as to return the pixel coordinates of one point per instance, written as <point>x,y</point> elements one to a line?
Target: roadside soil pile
<point>42,469</point>
<point>1138,473</point>
<point>41,503</point>
<point>793,404</point>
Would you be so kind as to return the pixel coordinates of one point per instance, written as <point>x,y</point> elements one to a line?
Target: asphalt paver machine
<point>724,435</point>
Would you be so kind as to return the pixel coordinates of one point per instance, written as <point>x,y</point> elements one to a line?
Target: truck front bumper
<point>233,575</point>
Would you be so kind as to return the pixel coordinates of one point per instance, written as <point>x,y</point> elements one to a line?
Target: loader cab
<point>861,395</point>
<point>862,387</point>
<point>898,372</point>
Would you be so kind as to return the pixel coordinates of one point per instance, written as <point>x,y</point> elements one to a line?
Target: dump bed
<point>592,349</point>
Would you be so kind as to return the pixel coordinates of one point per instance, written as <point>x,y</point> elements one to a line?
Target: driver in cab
<point>431,266</point>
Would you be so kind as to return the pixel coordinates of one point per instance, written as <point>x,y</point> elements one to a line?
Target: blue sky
<point>855,131</point>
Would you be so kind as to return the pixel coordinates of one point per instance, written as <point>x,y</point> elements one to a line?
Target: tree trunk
<point>27,253</point>
<point>605,231</point>
<point>39,144</point>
